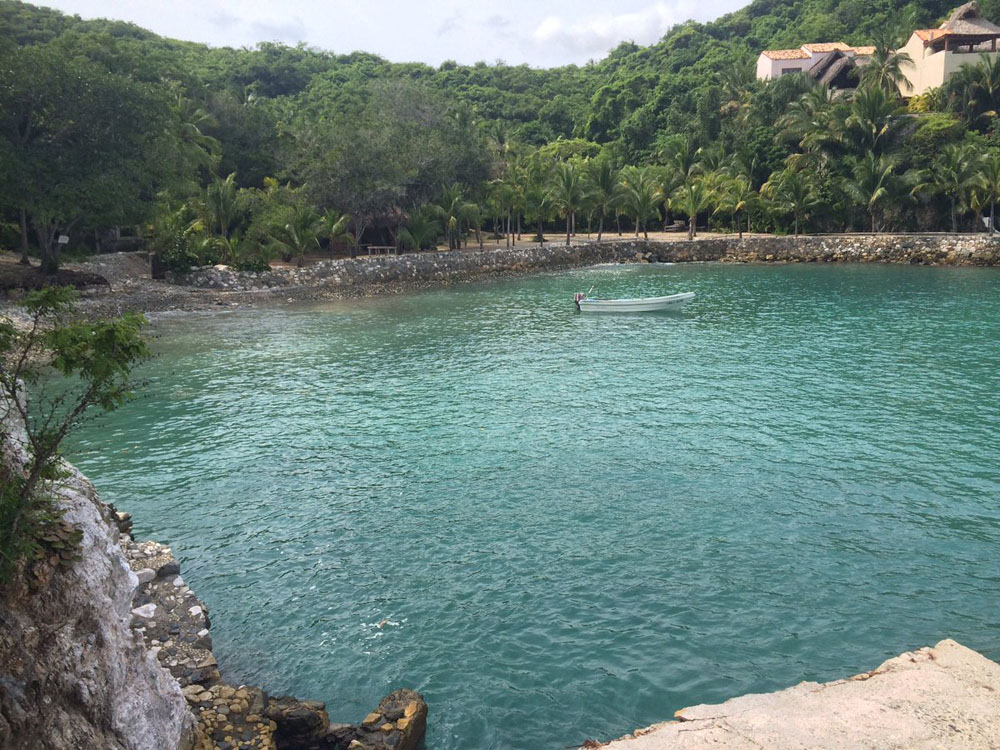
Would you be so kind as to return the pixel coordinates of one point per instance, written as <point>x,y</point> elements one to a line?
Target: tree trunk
<point>541,236</point>
<point>796,223</point>
<point>569,226</point>
<point>47,249</point>
<point>600,228</point>
<point>25,261</point>
<point>618,221</point>
<point>506,231</point>
<point>873,221</point>
<point>518,226</point>
<point>645,233</point>
<point>992,214</point>
<point>954,218</point>
<point>691,220</point>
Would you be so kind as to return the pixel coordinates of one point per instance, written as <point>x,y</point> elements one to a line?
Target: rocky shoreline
<point>175,626</point>
<point>130,287</point>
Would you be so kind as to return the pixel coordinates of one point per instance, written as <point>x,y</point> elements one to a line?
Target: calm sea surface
<point>572,525</point>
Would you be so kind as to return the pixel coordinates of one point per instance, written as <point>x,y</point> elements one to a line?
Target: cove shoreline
<point>219,287</point>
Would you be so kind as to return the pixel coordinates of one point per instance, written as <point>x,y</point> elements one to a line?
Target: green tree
<point>872,182</point>
<point>791,191</point>
<point>421,231</point>
<point>640,197</point>
<point>954,174</point>
<point>567,193</point>
<point>604,189</point>
<point>692,198</point>
<point>95,362</point>
<point>990,184</point>
<point>299,234</point>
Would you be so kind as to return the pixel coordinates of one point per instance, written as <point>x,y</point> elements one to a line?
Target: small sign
<point>63,239</point>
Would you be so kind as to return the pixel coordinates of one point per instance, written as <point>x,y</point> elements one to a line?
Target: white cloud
<point>598,34</point>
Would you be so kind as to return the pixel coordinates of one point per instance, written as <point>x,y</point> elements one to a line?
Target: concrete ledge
<point>947,696</point>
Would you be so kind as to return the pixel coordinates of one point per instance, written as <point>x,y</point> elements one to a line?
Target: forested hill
<point>631,95</point>
<point>221,154</point>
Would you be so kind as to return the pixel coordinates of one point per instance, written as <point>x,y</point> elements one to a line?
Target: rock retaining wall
<point>971,250</point>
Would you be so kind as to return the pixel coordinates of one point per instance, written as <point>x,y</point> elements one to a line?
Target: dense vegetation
<point>241,155</point>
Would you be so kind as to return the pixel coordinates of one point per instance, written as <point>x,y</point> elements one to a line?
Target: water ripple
<point>561,526</point>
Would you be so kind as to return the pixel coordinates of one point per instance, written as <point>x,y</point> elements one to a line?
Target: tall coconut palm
<point>990,184</point>
<point>681,157</point>
<point>791,191</point>
<point>298,234</point>
<point>955,173</point>
<point>737,196</point>
<point>220,200</point>
<point>640,196</point>
<point>188,124</point>
<point>692,198</point>
<point>973,92</point>
<point>454,212</point>
<point>604,189</point>
<point>872,182</point>
<point>873,119</point>
<point>886,68</point>
<point>567,193</point>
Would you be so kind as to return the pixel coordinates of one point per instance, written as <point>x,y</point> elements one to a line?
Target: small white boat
<point>585,303</point>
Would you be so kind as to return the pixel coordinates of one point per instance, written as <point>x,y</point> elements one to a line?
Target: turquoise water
<point>570,525</point>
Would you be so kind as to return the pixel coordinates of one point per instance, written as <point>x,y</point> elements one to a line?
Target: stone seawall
<point>444,267</point>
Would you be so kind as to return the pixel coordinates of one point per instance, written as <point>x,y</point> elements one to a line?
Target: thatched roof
<point>966,21</point>
<point>834,71</point>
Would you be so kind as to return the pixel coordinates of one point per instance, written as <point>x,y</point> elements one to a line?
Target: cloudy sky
<point>553,32</point>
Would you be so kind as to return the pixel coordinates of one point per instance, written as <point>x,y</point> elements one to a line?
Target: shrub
<point>94,362</point>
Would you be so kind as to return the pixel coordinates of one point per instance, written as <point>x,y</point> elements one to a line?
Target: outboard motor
<point>577,297</point>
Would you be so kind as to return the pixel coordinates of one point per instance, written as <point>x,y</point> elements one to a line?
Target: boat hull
<point>641,304</point>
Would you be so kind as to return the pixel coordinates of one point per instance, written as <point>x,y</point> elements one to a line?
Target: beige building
<point>937,54</point>
<point>812,59</point>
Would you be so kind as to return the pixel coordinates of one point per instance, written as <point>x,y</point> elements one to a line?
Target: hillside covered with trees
<point>240,155</point>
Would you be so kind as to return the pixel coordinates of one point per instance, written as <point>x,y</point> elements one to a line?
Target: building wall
<point>931,69</point>
<point>768,68</point>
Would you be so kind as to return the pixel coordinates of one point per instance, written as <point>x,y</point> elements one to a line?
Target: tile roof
<point>785,54</point>
<point>864,51</point>
<point>826,47</point>
<point>929,34</point>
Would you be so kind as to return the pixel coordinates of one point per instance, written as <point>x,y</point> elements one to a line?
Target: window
<point>786,71</point>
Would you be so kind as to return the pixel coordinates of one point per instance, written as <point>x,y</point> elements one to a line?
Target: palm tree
<point>454,211</point>
<point>299,234</point>
<point>973,92</point>
<point>604,189</point>
<point>792,191</point>
<point>955,174</point>
<point>220,200</point>
<point>872,181</point>
<point>335,227</point>
<point>567,193</point>
<point>188,122</point>
<point>990,184</point>
<point>640,196</point>
<point>872,119</point>
<point>884,69</point>
<point>737,195</point>
<point>680,157</point>
<point>421,231</point>
<point>693,197</point>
